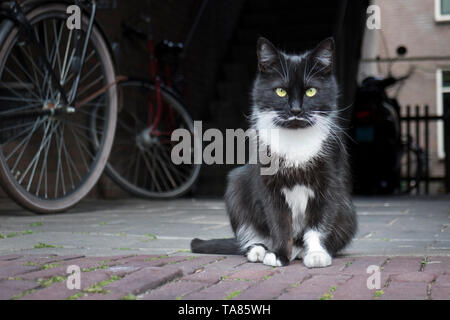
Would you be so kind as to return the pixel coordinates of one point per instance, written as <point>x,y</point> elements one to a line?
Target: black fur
<point>257,201</point>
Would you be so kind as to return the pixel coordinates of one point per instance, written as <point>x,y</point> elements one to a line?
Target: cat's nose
<point>296,110</point>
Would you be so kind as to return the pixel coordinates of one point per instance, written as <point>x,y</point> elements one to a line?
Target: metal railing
<point>416,171</point>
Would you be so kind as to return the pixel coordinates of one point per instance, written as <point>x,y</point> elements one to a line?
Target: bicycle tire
<point>139,187</point>
<point>78,183</point>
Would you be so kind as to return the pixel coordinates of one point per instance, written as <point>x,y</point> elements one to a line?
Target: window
<point>443,104</point>
<point>442,10</point>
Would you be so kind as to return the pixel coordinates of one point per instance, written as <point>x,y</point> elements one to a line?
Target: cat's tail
<point>216,246</point>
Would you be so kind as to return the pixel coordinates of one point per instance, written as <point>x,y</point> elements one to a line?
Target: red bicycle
<point>149,111</point>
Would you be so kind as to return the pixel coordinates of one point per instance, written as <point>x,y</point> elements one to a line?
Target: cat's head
<point>295,90</point>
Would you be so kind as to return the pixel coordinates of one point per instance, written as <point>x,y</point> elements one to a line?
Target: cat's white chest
<point>297,199</point>
<point>296,146</point>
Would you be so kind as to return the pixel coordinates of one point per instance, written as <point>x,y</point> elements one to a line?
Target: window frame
<point>440,109</point>
<point>438,16</point>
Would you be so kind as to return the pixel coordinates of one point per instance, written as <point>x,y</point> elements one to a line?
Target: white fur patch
<point>297,200</point>
<point>270,259</point>
<point>315,255</point>
<point>296,146</point>
<point>247,236</point>
<point>297,253</point>
<point>256,254</point>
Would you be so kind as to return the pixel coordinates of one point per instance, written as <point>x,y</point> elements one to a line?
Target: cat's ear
<point>267,54</point>
<point>324,54</point>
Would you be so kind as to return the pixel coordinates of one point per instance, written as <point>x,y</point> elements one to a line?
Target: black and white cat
<point>304,210</point>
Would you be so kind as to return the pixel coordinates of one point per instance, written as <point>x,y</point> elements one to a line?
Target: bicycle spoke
<point>28,139</point>
<point>149,167</point>
<point>20,81</point>
<point>46,139</point>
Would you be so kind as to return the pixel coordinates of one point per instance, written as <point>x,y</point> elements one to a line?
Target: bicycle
<point>149,111</point>
<point>51,78</point>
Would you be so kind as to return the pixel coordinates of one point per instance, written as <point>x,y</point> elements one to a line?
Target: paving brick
<point>437,265</point>
<point>214,271</point>
<point>10,257</point>
<point>83,263</point>
<point>11,288</point>
<point>315,287</point>
<point>250,274</point>
<point>273,286</point>
<point>399,290</point>
<point>220,291</point>
<point>173,290</point>
<point>354,289</point>
<point>14,268</point>
<point>145,279</point>
<point>441,288</point>
<point>414,277</point>
<point>59,291</point>
<point>359,265</point>
<point>192,265</point>
<point>403,264</point>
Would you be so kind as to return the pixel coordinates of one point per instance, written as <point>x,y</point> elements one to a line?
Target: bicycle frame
<point>12,10</point>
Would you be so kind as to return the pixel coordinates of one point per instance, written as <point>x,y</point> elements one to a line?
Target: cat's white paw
<point>256,254</point>
<point>270,259</point>
<point>317,259</point>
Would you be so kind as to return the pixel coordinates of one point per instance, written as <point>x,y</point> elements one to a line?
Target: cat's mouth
<point>296,122</point>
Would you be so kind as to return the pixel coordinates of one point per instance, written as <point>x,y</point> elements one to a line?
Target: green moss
<point>26,232</point>
<point>76,296</point>
<point>31,264</point>
<point>103,266</point>
<point>46,283</point>
<point>23,294</point>
<point>157,258</point>
<point>98,287</point>
<point>378,293</point>
<point>151,236</point>
<point>2,236</point>
<point>41,245</point>
<point>50,266</point>
<point>129,297</point>
<point>267,277</point>
<point>36,224</point>
<point>12,234</point>
<point>326,296</point>
<point>233,295</point>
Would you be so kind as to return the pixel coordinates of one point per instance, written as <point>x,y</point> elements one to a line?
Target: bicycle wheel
<point>140,160</point>
<point>46,163</point>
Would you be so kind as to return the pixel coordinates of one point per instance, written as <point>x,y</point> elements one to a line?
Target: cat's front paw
<point>256,253</point>
<point>317,259</point>
<point>271,259</point>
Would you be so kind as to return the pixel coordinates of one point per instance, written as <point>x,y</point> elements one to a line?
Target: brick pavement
<point>207,277</point>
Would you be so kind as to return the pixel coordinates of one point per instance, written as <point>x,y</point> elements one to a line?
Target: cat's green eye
<point>281,92</point>
<point>311,92</point>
